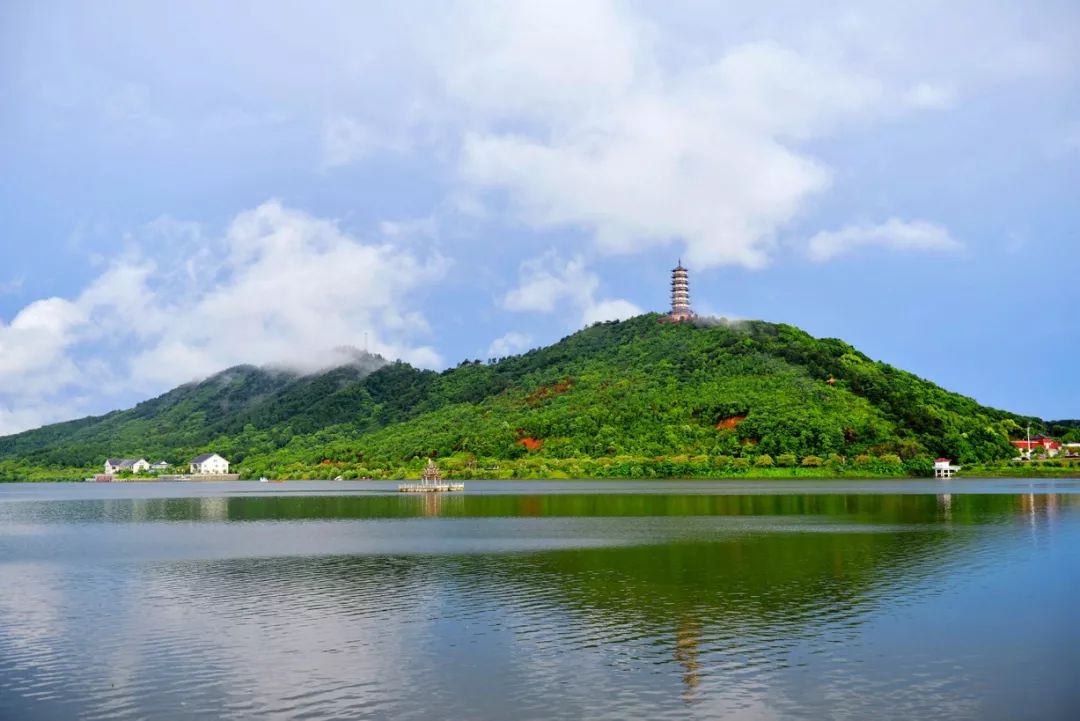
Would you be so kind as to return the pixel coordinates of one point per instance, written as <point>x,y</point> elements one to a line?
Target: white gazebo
<point>943,468</point>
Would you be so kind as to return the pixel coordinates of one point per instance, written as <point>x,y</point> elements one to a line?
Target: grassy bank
<point>466,467</point>
<point>1066,468</point>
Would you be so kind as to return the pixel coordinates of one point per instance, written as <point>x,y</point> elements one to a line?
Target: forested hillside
<point>636,397</point>
<point>1065,430</point>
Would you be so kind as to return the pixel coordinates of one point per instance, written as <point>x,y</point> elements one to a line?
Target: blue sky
<point>193,186</point>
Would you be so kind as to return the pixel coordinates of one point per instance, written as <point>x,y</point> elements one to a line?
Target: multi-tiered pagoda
<point>680,295</point>
<point>431,473</point>
<point>431,481</point>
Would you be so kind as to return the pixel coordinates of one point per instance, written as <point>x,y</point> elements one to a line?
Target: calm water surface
<point>602,600</point>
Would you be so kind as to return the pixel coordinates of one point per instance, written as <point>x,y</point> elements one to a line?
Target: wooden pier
<point>431,481</point>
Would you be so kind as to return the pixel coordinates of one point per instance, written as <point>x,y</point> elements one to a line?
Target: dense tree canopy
<point>636,397</point>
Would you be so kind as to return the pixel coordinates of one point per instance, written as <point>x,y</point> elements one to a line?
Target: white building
<point>134,465</point>
<point>943,468</point>
<point>209,464</point>
<point>160,467</point>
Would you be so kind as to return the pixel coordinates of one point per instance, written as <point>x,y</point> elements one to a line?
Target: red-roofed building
<point>1041,444</point>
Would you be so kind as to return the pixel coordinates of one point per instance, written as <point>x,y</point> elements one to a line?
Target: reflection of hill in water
<point>860,508</point>
<point>887,509</point>
<point>720,602</point>
<point>740,601</point>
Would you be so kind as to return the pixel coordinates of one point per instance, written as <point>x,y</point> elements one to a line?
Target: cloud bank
<point>548,284</point>
<point>638,153</point>
<point>893,233</point>
<point>586,116</point>
<point>280,286</point>
<point>509,344</point>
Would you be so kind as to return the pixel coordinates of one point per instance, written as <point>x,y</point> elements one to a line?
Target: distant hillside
<point>1065,430</point>
<point>189,417</point>
<point>636,389</point>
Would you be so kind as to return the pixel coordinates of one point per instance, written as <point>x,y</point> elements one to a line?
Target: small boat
<point>264,479</point>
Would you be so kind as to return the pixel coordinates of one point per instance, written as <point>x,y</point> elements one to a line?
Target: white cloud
<point>547,283</point>
<point>509,344</point>
<point>598,117</point>
<point>292,287</point>
<point>32,346</point>
<point>36,373</point>
<point>541,60</point>
<point>279,287</point>
<point>893,233</point>
<point>610,309</point>
<point>604,137</point>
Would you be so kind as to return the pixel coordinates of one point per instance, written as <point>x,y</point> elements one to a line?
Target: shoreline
<point>752,475</point>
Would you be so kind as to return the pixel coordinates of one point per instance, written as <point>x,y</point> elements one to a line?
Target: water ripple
<point>845,607</point>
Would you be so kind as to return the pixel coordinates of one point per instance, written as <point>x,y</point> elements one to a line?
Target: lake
<point>541,600</point>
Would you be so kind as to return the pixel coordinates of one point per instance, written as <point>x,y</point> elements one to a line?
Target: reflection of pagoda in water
<point>437,505</point>
<point>687,649</point>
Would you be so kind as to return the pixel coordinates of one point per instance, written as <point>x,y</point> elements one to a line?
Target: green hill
<point>636,397</point>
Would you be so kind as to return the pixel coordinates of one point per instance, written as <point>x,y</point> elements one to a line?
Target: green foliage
<point>630,398</point>
<point>1067,431</point>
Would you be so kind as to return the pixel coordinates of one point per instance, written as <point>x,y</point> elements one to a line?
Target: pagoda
<point>431,481</point>
<point>431,473</point>
<point>680,295</point>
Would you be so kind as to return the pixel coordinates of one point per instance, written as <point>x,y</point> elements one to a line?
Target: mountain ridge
<point>637,388</point>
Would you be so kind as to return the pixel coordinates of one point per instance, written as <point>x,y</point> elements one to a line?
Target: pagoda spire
<point>680,295</point>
